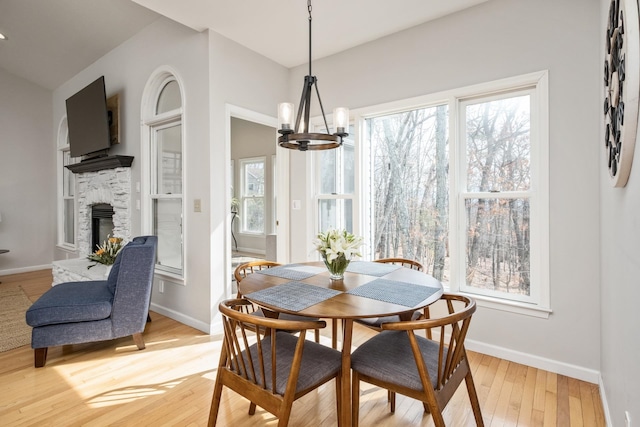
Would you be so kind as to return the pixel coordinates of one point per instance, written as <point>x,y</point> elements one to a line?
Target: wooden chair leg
<point>317,332</point>
<point>355,398</point>
<point>473,397</point>
<point>40,357</point>
<point>215,404</point>
<point>252,408</point>
<point>339,399</point>
<point>334,333</point>
<point>137,338</point>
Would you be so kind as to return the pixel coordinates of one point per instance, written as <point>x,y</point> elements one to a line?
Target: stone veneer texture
<point>111,186</point>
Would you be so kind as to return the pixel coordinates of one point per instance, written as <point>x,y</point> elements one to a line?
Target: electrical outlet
<point>627,419</point>
<point>197,205</point>
<point>161,286</point>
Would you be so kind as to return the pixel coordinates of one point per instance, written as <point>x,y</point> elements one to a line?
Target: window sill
<point>169,277</point>
<point>510,306</point>
<point>252,234</point>
<point>66,248</point>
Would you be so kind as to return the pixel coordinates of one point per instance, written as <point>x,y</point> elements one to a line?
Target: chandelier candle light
<point>337,248</point>
<point>298,137</point>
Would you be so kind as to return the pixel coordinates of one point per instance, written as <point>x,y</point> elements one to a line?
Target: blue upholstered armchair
<point>79,312</point>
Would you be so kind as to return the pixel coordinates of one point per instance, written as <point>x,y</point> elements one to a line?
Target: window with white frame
<point>496,193</point>
<point>458,182</point>
<point>165,213</point>
<point>335,175</point>
<point>252,195</point>
<point>66,192</point>
<point>274,193</point>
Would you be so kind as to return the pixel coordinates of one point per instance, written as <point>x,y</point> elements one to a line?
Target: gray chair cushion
<point>388,356</point>
<point>318,362</point>
<point>71,302</point>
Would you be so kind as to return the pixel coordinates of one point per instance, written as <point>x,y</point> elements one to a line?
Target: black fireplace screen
<point>101,224</point>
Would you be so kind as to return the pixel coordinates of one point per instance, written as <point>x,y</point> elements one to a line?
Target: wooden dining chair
<point>274,368</point>
<point>409,263</point>
<point>402,362</point>
<point>376,322</point>
<point>243,270</point>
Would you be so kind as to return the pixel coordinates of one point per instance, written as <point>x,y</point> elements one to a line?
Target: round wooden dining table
<point>368,290</point>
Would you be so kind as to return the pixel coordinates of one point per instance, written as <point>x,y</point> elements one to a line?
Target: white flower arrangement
<point>334,244</point>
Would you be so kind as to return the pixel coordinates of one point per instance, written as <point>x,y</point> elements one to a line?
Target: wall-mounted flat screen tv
<point>88,121</point>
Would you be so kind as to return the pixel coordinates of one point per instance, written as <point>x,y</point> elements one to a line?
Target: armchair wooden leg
<point>40,357</point>
<point>137,338</point>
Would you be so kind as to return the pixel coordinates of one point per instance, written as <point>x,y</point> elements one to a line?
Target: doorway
<point>257,173</point>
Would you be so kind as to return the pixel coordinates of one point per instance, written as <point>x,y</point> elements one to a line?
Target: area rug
<point>14,331</point>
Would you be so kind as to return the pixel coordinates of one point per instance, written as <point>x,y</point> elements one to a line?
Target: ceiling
<point>50,41</point>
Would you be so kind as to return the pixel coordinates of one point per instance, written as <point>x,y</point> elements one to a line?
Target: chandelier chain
<point>309,8</point>
<point>298,136</point>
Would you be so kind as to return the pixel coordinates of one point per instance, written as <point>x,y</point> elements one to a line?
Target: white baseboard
<point>573,371</point>
<point>605,404</point>
<point>25,269</point>
<point>251,250</point>
<point>180,317</point>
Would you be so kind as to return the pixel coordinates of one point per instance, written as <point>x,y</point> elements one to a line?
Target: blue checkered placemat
<point>400,293</point>
<point>294,296</point>
<point>293,271</point>
<point>377,269</point>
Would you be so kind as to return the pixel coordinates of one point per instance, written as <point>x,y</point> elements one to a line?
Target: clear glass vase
<point>336,267</point>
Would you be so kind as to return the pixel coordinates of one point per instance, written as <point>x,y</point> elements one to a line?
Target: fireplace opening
<point>101,224</point>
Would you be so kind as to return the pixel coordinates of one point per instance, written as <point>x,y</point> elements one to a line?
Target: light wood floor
<point>171,381</point>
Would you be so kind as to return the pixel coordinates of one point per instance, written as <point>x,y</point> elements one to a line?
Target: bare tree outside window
<point>497,203</point>
<point>409,164</point>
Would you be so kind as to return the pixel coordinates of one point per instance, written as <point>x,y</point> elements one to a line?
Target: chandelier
<point>298,137</point>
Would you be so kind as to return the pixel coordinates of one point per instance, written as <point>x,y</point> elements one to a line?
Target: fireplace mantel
<point>100,163</point>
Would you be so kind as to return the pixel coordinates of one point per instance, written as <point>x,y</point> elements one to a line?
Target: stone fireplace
<point>105,187</point>
<point>104,190</point>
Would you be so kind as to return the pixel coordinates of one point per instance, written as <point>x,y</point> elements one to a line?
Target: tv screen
<point>88,120</point>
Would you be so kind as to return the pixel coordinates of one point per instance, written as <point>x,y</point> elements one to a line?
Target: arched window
<point>163,171</point>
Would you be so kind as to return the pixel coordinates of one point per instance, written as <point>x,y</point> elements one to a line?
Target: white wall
<point>27,162</point>
<point>494,40</point>
<point>243,79</point>
<point>619,277</point>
